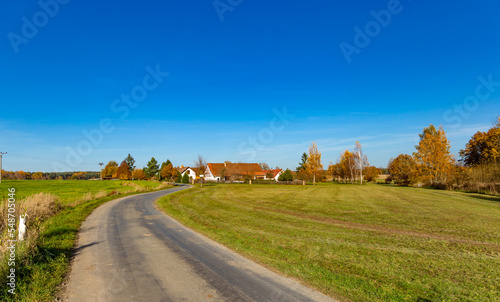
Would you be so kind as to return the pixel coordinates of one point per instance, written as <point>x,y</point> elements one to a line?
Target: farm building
<point>233,171</point>
<point>192,172</point>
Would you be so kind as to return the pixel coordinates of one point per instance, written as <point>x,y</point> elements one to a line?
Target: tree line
<point>352,166</point>
<point>153,170</point>
<point>21,175</point>
<point>432,164</point>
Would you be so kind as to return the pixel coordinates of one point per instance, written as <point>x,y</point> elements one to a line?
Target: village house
<point>272,174</point>
<point>192,172</point>
<point>233,171</point>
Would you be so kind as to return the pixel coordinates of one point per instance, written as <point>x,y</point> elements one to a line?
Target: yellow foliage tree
<point>433,157</point>
<point>110,169</point>
<point>37,175</point>
<point>347,169</point>
<point>78,175</point>
<point>402,169</point>
<point>138,174</point>
<point>313,164</point>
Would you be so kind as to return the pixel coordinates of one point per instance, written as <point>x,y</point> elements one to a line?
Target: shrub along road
<point>129,251</point>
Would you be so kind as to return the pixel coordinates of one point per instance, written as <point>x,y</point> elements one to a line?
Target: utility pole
<point>1,155</point>
<point>100,164</point>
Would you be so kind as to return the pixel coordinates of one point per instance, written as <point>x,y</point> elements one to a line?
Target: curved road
<point>129,251</point>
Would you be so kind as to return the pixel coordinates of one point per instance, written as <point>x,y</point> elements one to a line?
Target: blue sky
<point>231,67</point>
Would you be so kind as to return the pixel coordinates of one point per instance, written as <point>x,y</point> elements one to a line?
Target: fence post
<point>303,182</point>
<point>22,227</point>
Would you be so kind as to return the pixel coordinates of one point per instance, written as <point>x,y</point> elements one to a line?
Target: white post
<point>1,156</point>
<point>22,227</point>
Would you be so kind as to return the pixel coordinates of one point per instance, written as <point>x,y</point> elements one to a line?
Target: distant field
<point>43,264</point>
<point>69,190</point>
<point>357,243</point>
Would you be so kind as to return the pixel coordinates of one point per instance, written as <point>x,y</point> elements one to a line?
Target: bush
<point>286,176</point>
<point>178,178</point>
<point>185,178</point>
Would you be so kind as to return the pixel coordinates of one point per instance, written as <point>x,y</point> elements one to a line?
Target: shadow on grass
<point>494,198</point>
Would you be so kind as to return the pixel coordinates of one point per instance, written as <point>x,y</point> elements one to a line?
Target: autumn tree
<point>168,171</point>
<point>163,165</point>
<point>372,173</point>
<point>78,175</point>
<point>482,148</point>
<point>152,168</point>
<point>313,165</point>
<point>347,168</point>
<point>130,162</point>
<point>433,157</point>
<point>138,174</point>
<point>402,169</point>
<point>20,175</point>
<point>123,171</point>
<point>201,164</point>
<point>110,169</point>
<point>334,170</point>
<point>37,175</point>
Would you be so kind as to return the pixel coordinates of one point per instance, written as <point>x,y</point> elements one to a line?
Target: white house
<point>190,171</point>
<point>274,174</point>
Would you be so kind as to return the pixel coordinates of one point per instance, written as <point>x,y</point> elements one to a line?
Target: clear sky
<point>84,82</point>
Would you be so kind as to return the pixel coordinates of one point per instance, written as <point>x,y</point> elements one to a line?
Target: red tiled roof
<point>274,171</point>
<point>234,169</point>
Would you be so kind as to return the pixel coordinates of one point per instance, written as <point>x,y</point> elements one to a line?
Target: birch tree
<point>313,164</point>
<point>360,159</point>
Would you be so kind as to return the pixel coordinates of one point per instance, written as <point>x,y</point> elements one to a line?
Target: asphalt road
<point>129,251</point>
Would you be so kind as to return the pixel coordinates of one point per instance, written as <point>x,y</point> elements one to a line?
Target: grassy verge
<point>41,268</point>
<point>357,243</point>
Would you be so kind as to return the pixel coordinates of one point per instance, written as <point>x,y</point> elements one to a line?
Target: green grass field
<point>69,190</point>
<point>357,243</point>
<point>41,268</point>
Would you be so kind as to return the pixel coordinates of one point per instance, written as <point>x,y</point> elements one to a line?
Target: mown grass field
<point>357,243</point>
<point>42,265</point>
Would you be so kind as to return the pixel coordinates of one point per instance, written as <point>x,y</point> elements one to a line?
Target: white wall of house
<point>209,176</point>
<point>190,172</point>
